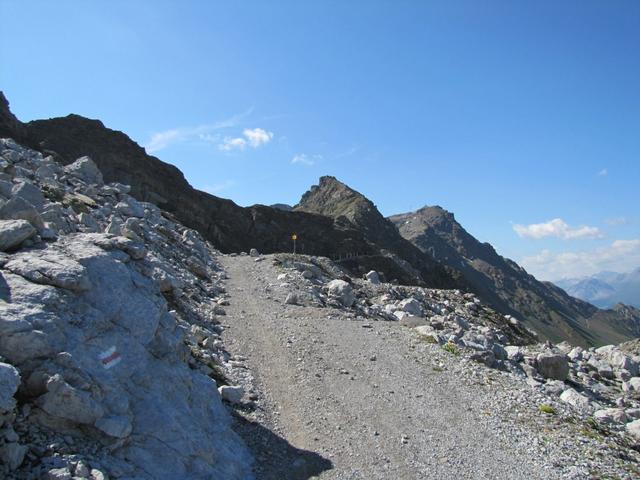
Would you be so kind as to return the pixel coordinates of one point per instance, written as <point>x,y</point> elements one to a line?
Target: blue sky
<point>523,118</point>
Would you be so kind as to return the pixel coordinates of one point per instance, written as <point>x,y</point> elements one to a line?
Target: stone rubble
<point>109,333</point>
<point>601,386</point>
<point>110,336</point>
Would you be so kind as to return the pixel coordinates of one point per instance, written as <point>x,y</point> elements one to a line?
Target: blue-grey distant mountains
<point>605,289</point>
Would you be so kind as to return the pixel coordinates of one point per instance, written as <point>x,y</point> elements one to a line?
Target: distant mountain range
<point>605,289</point>
<point>427,247</point>
<point>507,286</point>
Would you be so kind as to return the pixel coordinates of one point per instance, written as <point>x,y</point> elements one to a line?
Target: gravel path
<point>341,398</point>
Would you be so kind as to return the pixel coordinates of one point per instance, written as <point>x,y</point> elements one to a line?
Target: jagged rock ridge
<point>507,286</point>
<point>336,200</point>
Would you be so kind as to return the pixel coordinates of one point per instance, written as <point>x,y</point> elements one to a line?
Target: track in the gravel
<point>354,402</point>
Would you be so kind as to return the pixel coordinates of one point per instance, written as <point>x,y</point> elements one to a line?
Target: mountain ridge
<point>230,227</point>
<point>348,228</point>
<point>605,289</point>
<point>336,200</point>
<point>503,283</point>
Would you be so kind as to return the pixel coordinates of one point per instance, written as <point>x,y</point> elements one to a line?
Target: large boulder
<point>633,429</point>
<point>29,192</point>
<point>411,306</point>
<point>14,232</point>
<point>130,207</point>
<point>86,170</point>
<point>620,361</point>
<point>579,401</point>
<point>373,277</point>
<point>610,415</point>
<point>341,291</point>
<point>9,382</point>
<point>17,208</point>
<point>553,365</point>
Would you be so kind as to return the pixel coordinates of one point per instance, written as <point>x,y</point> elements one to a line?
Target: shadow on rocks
<point>5,291</point>
<point>275,458</point>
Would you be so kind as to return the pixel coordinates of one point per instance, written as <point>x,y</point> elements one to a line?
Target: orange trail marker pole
<point>294,237</point>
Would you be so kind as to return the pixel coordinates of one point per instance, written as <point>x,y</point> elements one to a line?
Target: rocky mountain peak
<point>334,199</point>
<point>431,217</point>
<point>10,126</point>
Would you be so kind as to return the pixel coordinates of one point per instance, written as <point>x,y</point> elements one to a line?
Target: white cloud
<point>603,172</point>
<point>253,137</point>
<point>304,159</point>
<point>556,228</point>
<point>162,140</point>
<point>620,256</point>
<point>257,136</point>
<point>232,144</point>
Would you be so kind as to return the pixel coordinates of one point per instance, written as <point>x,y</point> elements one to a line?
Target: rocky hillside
<point>336,200</point>
<point>225,224</point>
<point>508,287</point>
<point>122,332</point>
<point>109,328</point>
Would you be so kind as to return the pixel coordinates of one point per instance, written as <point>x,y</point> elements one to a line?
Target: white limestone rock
<point>341,291</point>
<point>86,170</point>
<point>373,277</point>
<point>14,232</point>
<point>578,400</point>
<point>9,382</point>
<point>232,394</point>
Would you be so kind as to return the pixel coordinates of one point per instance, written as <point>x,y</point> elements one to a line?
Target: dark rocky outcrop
<point>507,286</point>
<point>10,126</point>
<point>230,227</point>
<point>336,200</point>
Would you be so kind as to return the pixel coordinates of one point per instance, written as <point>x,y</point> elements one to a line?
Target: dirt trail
<point>360,400</point>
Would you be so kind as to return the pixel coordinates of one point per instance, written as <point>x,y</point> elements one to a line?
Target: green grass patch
<point>451,348</point>
<point>548,409</point>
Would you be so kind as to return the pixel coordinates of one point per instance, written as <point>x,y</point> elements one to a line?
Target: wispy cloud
<point>253,138</point>
<point>229,144</point>
<point>603,173</point>
<point>161,140</point>
<point>556,228</point>
<point>616,221</point>
<point>304,159</point>
<point>620,256</point>
<point>219,187</point>
<point>348,152</point>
